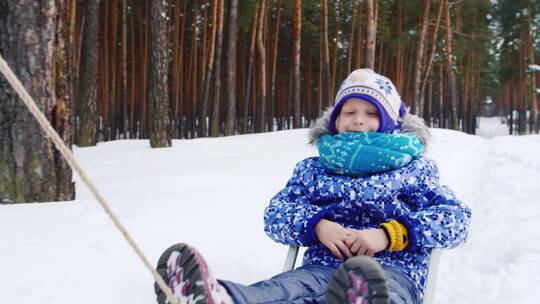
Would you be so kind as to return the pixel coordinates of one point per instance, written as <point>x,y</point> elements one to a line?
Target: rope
<point>70,158</point>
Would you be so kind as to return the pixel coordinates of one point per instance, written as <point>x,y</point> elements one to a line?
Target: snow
<point>491,127</point>
<point>211,193</point>
<point>534,67</point>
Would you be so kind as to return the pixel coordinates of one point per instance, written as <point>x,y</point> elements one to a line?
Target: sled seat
<point>431,285</point>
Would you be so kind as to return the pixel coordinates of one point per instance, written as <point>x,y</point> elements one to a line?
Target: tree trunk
<point>250,67</point>
<point>208,73</point>
<point>159,65</point>
<point>418,107</point>
<point>325,57</point>
<point>511,107</point>
<point>61,114</point>
<point>522,108</point>
<point>74,48</point>
<point>125,87</point>
<point>307,95</point>
<point>133,80</point>
<point>371,34</point>
<point>204,48</point>
<point>360,40</point>
<point>193,94</point>
<point>531,81</point>
<point>28,170</point>
<point>103,73</point>
<point>449,70</point>
<point>272,99</point>
<point>112,66</point>
<point>429,59</point>
<point>429,105</point>
<point>230,80</point>
<point>334,59</point>
<point>262,72</point>
<point>441,96</point>
<point>144,83</point>
<point>216,121</point>
<point>297,31</point>
<point>351,40</point>
<point>399,48</point>
<point>88,90</point>
<point>181,111</point>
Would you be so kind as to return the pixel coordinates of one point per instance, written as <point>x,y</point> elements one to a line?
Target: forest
<point>179,69</point>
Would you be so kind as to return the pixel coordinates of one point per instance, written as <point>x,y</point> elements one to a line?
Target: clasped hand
<point>345,242</point>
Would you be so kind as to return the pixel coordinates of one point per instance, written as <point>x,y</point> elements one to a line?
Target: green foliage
<point>246,9</point>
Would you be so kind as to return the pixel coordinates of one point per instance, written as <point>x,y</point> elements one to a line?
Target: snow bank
<point>212,192</point>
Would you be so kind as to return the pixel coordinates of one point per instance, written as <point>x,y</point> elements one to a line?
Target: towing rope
<point>70,158</point>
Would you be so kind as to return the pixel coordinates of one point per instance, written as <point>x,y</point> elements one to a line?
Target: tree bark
<point>360,40</point>
<point>160,133</point>
<point>272,99</point>
<point>441,96</point>
<point>88,90</point>
<point>522,87</point>
<point>192,82</point>
<point>325,57</point>
<point>216,121</point>
<point>249,79</point>
<point>429,58</point>
<point>133,88</point>
<point>449,64</point>
<point>61,114</point>
<point>28,170</point>
<point>297,30</point>
<point>262,72</point>
<point>125,87</point>
<point>112,66</point>
<point>418,106</point>
<point>145,81</point>
<point>371,34</point>
<point>351,39</point>
<point>230,80</point>
<point>208,73</point>
<point>308,89</point>
<point>399,48</point>
<point>531,81</point>
<point>335,58</point>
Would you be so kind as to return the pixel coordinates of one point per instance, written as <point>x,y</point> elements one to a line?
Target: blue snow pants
<point>308,284</point>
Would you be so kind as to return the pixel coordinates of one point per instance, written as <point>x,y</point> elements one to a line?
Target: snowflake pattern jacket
<point>412,195</point>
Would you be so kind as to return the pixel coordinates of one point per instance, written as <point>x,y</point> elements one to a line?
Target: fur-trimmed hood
<point>409,124</point>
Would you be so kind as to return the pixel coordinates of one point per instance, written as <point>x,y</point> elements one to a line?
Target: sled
<point>431,285</point>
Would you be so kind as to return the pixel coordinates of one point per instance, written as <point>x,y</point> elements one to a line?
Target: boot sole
<point>194,268</point>
<point>367,268</point>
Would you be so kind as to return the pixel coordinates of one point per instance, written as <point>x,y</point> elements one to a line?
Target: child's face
<point>358,115</point>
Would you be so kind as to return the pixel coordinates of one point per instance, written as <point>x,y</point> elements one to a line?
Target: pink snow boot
<point>360,280</point>
<point>185,272</point>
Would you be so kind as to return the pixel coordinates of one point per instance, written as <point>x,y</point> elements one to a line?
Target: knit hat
<point>375,89</point>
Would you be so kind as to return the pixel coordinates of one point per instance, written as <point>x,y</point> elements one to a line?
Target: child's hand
<point>333,236</point>
<point>367,242</point>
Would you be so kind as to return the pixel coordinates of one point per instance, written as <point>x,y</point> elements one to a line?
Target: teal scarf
<point>367,153</point>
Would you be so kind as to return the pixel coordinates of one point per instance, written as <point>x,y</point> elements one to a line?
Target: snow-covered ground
<point>491,127</point>
<point>211,193</point>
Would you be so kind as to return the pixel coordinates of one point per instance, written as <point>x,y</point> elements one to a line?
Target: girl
<point>370,209</point>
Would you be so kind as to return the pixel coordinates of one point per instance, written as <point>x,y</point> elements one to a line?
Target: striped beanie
<point>375,89</point>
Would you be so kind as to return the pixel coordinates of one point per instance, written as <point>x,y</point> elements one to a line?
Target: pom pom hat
<point>375,89</point>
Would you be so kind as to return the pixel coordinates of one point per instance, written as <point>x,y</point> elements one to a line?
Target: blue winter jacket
<point>412,195</point>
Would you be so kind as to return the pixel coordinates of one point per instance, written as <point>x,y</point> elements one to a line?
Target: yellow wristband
<point>399,236</point>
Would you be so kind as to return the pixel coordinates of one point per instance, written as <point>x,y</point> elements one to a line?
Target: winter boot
<point>184,270</point>
<point>360,280</point>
